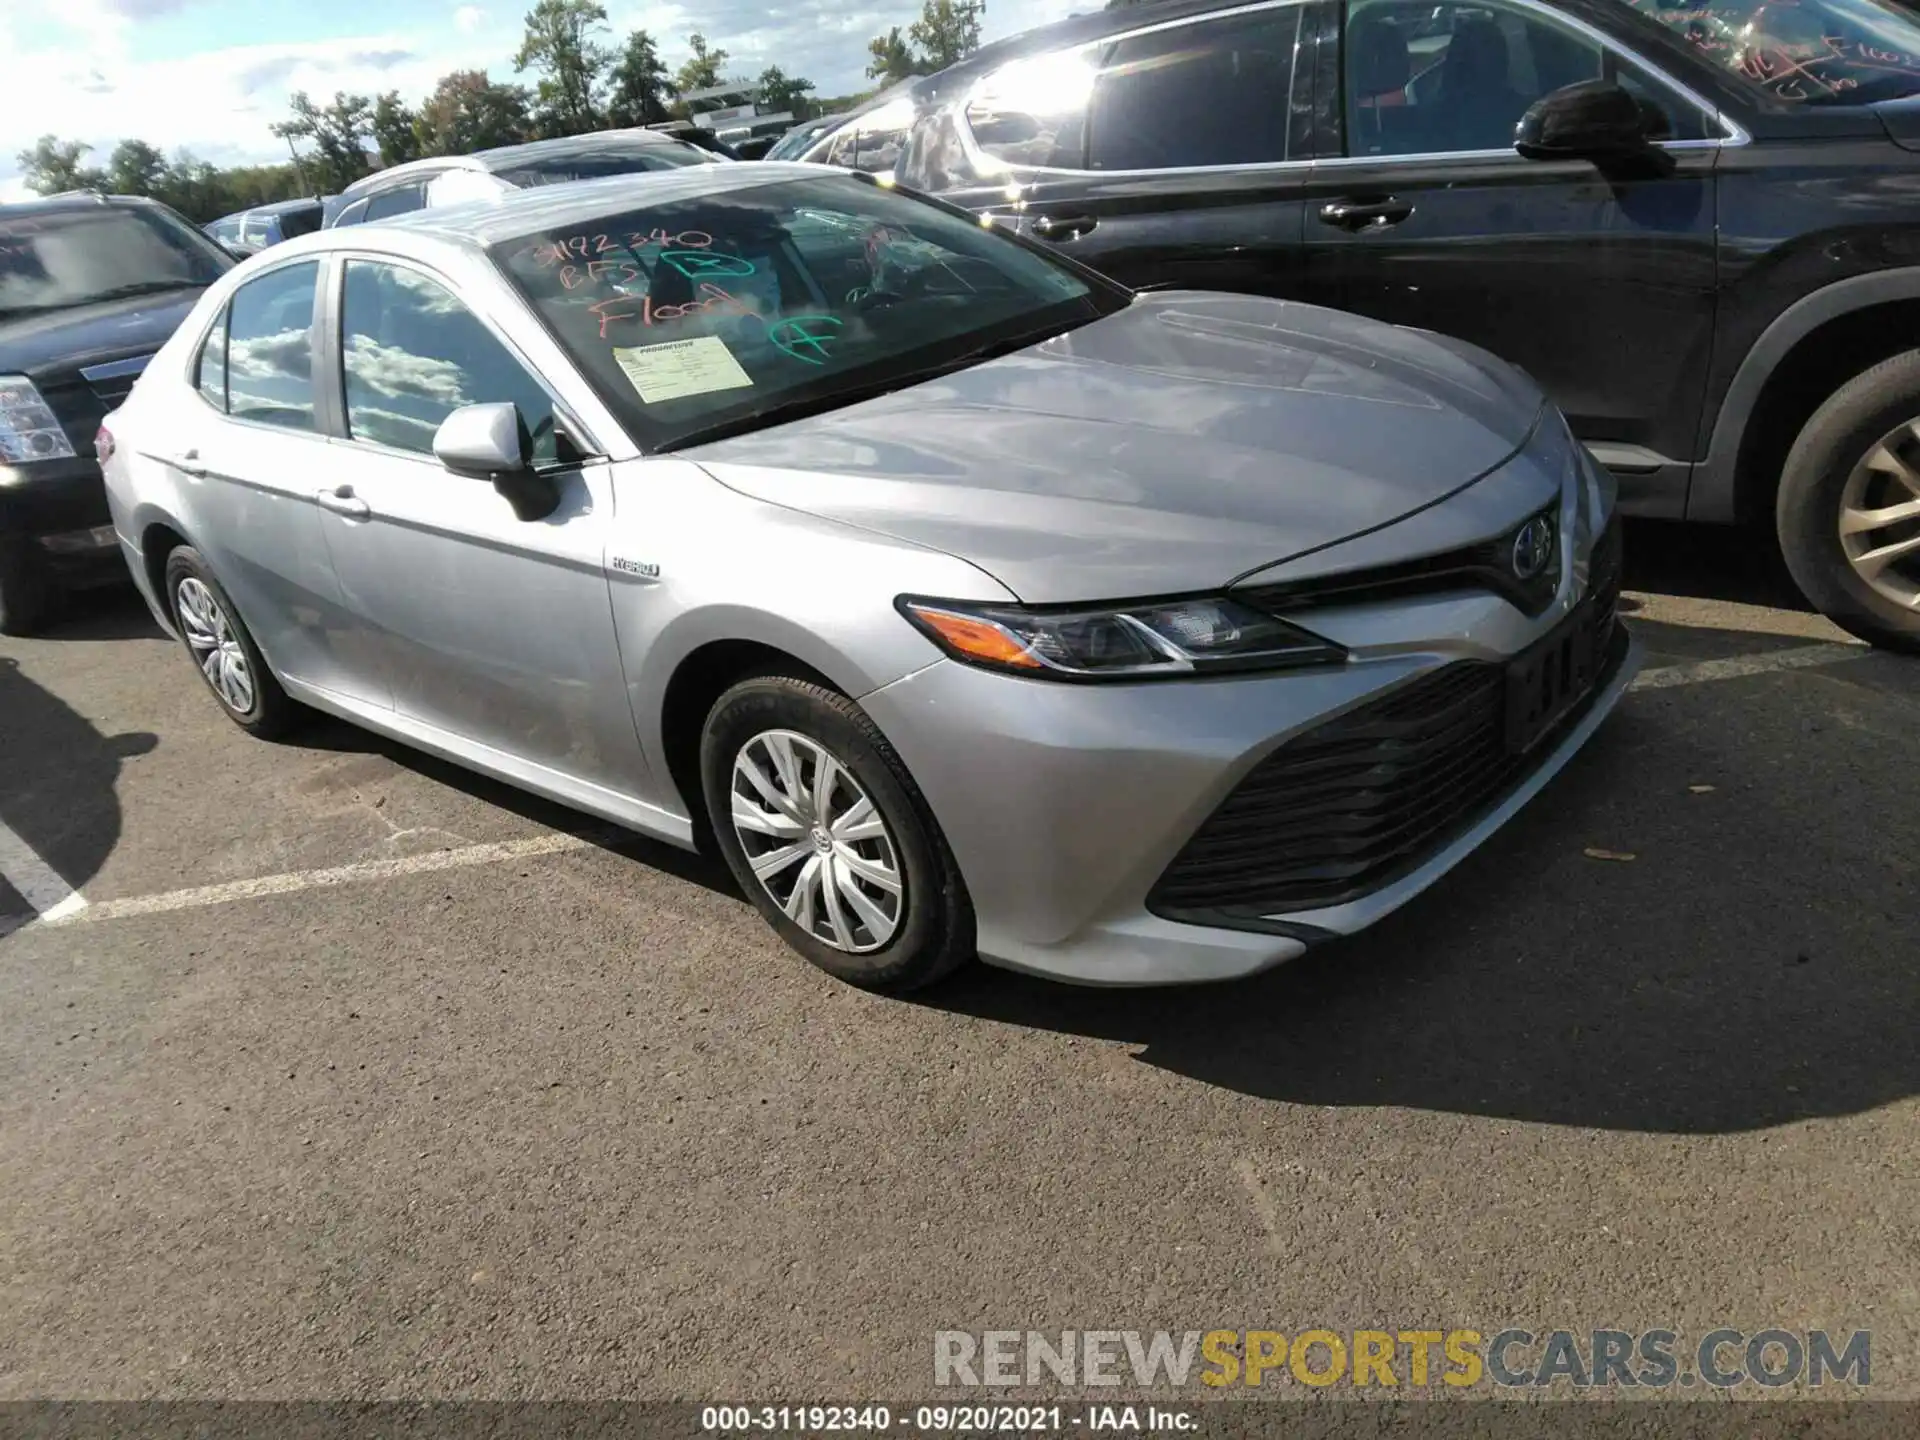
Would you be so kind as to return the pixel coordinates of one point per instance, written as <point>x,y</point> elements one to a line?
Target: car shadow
<point>57,784</point>
<point>110,612</point>
<point>1708,562</point>
<point>329,733</point>
<point>1635,951</point>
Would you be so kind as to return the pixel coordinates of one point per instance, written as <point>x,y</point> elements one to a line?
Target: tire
<point>268,711</point>
<point>26,590</point>
<point>932,929</point>
<point>1826,475</point>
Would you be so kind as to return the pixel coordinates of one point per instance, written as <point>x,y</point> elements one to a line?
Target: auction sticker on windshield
<point>680,368</point>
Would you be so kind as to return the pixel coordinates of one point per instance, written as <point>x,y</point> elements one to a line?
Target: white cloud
<point>469,18</point>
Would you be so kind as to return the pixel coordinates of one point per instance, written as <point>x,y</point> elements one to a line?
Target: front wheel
<point>1849,505</point>
<point>826,832</point>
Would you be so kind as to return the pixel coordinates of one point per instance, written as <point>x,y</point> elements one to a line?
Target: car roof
<point>281,207</point>
<point>74,200</point>
<point>502,157</point>
<point>476,225</point>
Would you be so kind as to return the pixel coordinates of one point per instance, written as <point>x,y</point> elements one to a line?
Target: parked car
<point>869,137</point>
<point>90,287</point>
<point>963,599</point>
<point>698,136</point>
<point>795,143</point>
<point>1698,229</point>
<point>248,232</point>
<point>450,179</point>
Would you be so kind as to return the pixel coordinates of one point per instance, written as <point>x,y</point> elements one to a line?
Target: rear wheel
<point>1849,505</point>
<point>222,650</point>
<point>26,590</point>
<point>826,832</point>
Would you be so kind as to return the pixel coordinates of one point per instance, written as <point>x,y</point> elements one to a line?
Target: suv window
<point>354,214</point>
<point>227,232</point>
<point>398,201</point>
<point>1034,111</point>
<point>414,354</point>
<point>1426,79</point>
<point>1211,93</point>
<point>60,258</point>
<point>270,348</point>
<point>299,222</point>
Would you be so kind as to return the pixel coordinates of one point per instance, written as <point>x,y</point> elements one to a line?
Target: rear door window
<point>398,201</point>
<point>270,348</point>
<point>1211,93</point>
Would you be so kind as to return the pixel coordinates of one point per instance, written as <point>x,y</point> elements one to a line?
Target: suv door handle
<point>1358,215</point>
<point>1063,227</point>
<point>342,501</point>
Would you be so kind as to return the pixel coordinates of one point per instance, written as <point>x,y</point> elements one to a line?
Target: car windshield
<point>57,259</point>
<point>741,308</point>
<point>660,155</point>
<point>1813,52</point>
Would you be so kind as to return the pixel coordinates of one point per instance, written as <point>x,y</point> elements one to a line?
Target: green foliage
<point>338,133</point>
<point>775,91</point>
<point>702,70</point>
<point>469,112</point>
<point>395,130</point>
<point>53,165</point>
<point>947,31</point>
<point>560,47</point>
<point>891,61</point>
<point>638,95</point>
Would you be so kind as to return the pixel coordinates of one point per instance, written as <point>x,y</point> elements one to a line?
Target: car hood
<point>1175,445</point>
<point>55,344</point>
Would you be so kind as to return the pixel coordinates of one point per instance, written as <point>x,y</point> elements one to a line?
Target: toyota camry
<point>964,601</point>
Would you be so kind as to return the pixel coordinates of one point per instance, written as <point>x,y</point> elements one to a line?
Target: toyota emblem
<point>1533,548</point>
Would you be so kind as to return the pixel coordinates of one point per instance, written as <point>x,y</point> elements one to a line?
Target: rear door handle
<point>342,501</point>
<point>1362,215</point>
<point>1063,227</point>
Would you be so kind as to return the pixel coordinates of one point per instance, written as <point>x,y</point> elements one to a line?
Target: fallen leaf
<point>1594,852</point>
<point>1700,789</point>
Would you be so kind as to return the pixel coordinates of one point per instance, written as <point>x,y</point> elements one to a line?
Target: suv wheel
<point>1849,505</point>
<point>222,650</point>
<point>827,834</point>
<point>26,593</point>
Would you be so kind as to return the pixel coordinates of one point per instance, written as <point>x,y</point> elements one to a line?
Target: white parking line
<point>49,895</point>
<point>204,895</point>
<point>57,904</point>
<point>1735,667</point>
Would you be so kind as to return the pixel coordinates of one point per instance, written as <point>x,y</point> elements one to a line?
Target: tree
<point>53,165</point>
<point>776,92</point>
<point>338,132</point>
<point>892,60</point>
<point>135,168</point>
<point>395,130</point>
<point>947,31</point>
<point>638,94</point>
<point>559,46</point>
<point>468,112</point>
<point>702,71</point>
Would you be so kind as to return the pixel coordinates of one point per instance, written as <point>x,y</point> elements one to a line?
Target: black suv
<point>90,287</point>
<point>1697,226</point>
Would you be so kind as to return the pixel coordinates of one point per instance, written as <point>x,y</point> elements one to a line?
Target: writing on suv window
<point>1815,52</point>
<point>756,304</point>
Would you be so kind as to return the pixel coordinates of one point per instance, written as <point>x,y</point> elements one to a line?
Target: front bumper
<point>61,506</point>
<point>1064,804</point>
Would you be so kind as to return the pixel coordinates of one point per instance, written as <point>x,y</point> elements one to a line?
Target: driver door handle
<point>1063,227</point>
<point>342,501</point>
<point>1348,213</point>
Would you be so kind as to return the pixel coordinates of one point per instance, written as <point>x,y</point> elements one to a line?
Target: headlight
<point>1123,642</point>
<point>28,430</point>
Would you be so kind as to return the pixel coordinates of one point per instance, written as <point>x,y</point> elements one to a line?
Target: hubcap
<point>1880,516</point>
<point>816,842</point>
<point>216,649</point>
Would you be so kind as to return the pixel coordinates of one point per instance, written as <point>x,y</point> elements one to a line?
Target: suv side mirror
<point>1594,120</point>
<point>490,442</point>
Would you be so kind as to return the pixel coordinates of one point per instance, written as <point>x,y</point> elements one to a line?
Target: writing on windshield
<point>1835,52</point>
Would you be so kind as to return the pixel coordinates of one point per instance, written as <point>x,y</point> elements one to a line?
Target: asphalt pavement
<point>345,1073</point>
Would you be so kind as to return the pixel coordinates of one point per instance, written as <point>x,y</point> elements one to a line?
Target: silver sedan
<point>962,600</point>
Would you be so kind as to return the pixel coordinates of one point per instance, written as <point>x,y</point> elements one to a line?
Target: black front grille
<point>1484,565</point>
<point>1354,804</point>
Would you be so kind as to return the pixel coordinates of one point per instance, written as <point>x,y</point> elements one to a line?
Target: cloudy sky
<point>212,75</point>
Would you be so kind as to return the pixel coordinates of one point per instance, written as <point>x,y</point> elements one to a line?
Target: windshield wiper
<point>801,407</point>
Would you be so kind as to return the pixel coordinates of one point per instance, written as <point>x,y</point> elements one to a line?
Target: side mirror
<point>490,442</point>
<point>1594,120</point>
